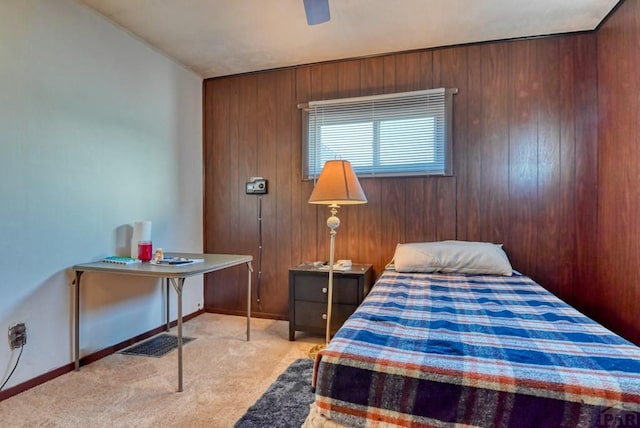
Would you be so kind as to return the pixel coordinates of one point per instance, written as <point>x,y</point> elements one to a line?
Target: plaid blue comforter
<point>457,350</point>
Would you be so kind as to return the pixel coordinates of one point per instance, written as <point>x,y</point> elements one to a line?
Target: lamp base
<point>315,349</point>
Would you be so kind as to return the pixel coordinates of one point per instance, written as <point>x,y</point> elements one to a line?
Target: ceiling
<point>222,37</point>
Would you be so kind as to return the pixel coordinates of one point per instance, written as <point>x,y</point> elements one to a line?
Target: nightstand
<point>308,290</point>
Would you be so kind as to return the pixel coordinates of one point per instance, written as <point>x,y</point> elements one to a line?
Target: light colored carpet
<point>223,375</point>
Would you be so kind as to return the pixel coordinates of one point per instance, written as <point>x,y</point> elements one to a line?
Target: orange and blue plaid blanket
<point>461,350</point>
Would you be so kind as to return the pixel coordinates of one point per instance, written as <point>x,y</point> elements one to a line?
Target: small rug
<point>156,346</point>
<point>286,402</point>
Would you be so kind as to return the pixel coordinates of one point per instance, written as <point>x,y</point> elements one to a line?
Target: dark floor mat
<point>286,402</point>
<point>156,346</point>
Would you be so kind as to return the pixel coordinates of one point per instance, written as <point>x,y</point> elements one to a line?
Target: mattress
<point>474,350</point>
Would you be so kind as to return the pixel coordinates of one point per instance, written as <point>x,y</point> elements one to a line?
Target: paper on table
<point>336,268</point>
<point>178,261</point>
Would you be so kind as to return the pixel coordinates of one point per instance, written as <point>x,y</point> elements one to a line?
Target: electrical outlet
<point>17,335</point>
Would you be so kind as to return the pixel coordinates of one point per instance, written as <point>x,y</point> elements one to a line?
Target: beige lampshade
<point>337,185</point>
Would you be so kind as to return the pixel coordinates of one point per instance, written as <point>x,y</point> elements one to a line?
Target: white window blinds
<point>405,133</point>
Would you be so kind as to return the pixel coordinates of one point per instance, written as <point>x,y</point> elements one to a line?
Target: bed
<point>456,347</point>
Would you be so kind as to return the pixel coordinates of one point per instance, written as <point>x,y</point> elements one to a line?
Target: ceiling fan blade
<point>317,11</point>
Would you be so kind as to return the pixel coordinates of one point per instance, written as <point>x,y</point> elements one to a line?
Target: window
<point>399,134</point>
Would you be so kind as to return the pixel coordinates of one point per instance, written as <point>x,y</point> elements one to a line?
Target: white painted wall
<point>97,131</point>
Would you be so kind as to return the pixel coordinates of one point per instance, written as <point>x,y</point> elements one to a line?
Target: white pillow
<point>452,256</point>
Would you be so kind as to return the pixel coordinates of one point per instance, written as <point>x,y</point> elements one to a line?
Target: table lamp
<point>337,185</point>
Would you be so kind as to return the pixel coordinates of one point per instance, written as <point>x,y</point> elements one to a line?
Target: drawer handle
<point>324,290</point>
<point>324,316</point>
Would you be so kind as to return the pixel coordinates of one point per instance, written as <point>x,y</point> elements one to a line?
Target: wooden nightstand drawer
<point>308,294</point>
<point>313,315</point>
<point>314,288</point>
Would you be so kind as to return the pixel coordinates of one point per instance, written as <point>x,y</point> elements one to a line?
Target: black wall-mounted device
<point>256,186</point>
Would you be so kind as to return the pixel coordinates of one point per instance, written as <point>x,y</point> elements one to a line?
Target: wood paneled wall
<point>525,162</point>
<point>614,296</point>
